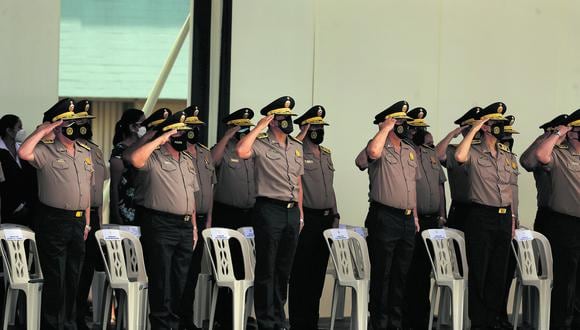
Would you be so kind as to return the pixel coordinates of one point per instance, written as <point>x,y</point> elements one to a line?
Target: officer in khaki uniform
<point>234,198</point>
<point>206,177</point>
<point>431,210</point>
<point>169,183</point>
<point>277,215</point>
<point>65,177</point>
<point>320,213</point>
<point>92,260</point>
<point>392,220</point>
<point>490,222</point>
<point>563,226</point>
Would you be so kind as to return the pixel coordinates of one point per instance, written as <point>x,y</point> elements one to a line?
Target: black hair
<point>123,126</point>
<point>6,122</point>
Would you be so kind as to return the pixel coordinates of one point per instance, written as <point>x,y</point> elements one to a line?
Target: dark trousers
<point>417,304</point>
<point>227,216</point>
<point>309,270</point>
<point>93,261</point>
<point>487,238</point>
<point>61,249</point>
<point>510,273</point>
<point>168,247</point>
<point>186,313</point>
<point>458,213</point>
<point>391,242</point>
<point>564,235</point>
<point>542,219</point>
<point>276,229</point>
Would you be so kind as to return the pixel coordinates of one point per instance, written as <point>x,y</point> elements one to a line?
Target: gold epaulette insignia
<point>203,146</point>
<point>295,139</point>
<point>325,149</point>
<point>262,135</point>
<point>84,146</point>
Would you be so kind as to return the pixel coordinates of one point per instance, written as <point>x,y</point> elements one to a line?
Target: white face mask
<point>142,130</point>
<point>20,136</point>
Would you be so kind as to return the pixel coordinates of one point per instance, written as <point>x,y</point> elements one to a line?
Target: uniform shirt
<point>565,180</point>
<point>277,168</point>
<point>206,178</point>
<point>542,178</point>
<point>392,176</point>
<point>458,177</point>
<point>100,175</point>
<point>2,179</point>
<point>514,184</point>
<point>64,181</point>
<point>490,178</point>
<point>236,184</point>
<point>432,177</point>
<point>168,185</point>
<point>318,183</point>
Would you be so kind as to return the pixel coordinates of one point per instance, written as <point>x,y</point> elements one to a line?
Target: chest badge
<point>411,156</point>
<point>298,153</point>
<point>88,161</point>
<point>514,165</point>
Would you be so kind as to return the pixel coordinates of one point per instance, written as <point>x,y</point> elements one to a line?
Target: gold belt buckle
<point>502,210</point>
<point>408,212</point>
<point>78,214</point>
<point>290,205</point>
<point>187,218</point>
<point>326,212</point>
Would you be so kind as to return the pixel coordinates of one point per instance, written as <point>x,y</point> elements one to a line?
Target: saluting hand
<point>47,128</point>
<point>232,131</point>
<point>263,123</point>
<point>564,129</point>
<point>387,124</point>
<point>479,123</point>
<point>165,136</point>
<point>456,132</point>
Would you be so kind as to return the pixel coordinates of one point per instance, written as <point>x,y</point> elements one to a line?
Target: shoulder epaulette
<point>187,154</point>
<point>427,147</point>
<point>503,147</point>
<point>561,146</point>
<point>476,142</point>
<point>47,141</point>
<point>84,146</point>
<point>408,143</point>
<point>262,135</point>
<point>93,143</point>
<point>295,139</point>
<point>203,146</point>
<point>325,149</point>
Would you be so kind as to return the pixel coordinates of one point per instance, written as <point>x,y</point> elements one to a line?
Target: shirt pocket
<point>60,164</point>
<point>309,165</point>
<point>574,166</point>
<point>271,154</point>
<point>234,162</point>
<point>391,159</point>
<point>168,166</point>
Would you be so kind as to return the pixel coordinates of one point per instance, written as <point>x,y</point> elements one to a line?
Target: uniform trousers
<point>276,227</point>
<point>458,213</point>
<point>61,249</point>
<point>417,304</point>
<point>309,270</point>
<point>391,242</point>
<point>168,246</point>
<point>487,237</point>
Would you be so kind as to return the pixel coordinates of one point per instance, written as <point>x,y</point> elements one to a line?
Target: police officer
<point>563,163</point>
<point>206,177</point>
<point>235,195</point>
<point>320,213</point>
<point>392,220</point>
<point>431,210</point>
<point>65,176</point>
<point>490,223</point>
<point>166,216</point>
<point>92,260</point>
<point>458,176</point>
<point>277,216</point>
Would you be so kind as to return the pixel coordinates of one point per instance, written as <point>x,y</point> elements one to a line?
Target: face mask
<point>193,135</point>
<point>179,143</point>
<point>85,131</point>
<point>419,137</point>
<point>497,130</point>
<point>509,142</point>
<point>71,132</point>
<point>242,132</point>
<point>401,130</point>
<point>141,132</point>
<point>285,125</point>
<point>20,136</point>
<point>316,136</point>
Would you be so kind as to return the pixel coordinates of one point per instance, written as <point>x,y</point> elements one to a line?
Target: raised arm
<point>441,147</point>
<point>217,152</point>
<point>138,158</point>
<point>544,150</point>
<point>377,144</point>
<point>26,151</point>
<point>462,152</point>
<point>244,147</point>
<point>528,158</point>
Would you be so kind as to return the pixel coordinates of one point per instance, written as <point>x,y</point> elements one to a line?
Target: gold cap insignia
<point>71,106</point>
<point>500,108</point>
<point>182,119</point>
<point>287,103</point>
<point>87,106</point>
<point>196,112</point>
<point>319,113</point>
<point>405,108</point>
<point>421,114</point>
<point>246,114</point>
<point>165,114</point>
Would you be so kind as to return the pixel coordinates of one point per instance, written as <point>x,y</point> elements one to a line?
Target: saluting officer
<point>206,177</point>
<point>563,228</point>
<point>65,176</point>
<point>277,216</point>
<point>458,175</point>
<point>490,222</point>
<point>169,183</point>
<point>320,213</point>
<point>392,220</point>
<point>431,210</point>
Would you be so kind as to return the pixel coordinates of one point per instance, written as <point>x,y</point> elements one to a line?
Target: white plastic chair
<point>203,292</point>
<point>349,254</point>
<point>533,250</point>
<point>218,247</point>
<point>248,233</point>
<point>125,268</point>
<point>17,269</point>
<point>441,250</point>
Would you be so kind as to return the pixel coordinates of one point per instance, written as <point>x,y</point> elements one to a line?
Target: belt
<point>64,213</point>
<point>319,212</point>
<point>499,210</point>
<point>460,204</point>
<point>286,204</point>
<point>406,212</point>
<point>227,206</point>
<point>184,218</point>
<point>94,209</point>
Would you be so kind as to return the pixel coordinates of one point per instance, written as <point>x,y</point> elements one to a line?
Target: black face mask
<point>86,131</point>
<point>71,132</point>
<point>497,130</point>
<point>242,132</point>
<point>419,137</point>
<point>285,125</point>
<point>316,136</point>
<point>193,135</point>
<point>509,142</point>
<point>179,143</point>
<point>401,130</point>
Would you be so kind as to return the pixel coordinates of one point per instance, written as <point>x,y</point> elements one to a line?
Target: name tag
<point>308,161</point>
<point>135,230</point>
<point>524,235</point>
<point>111,235</point>
<point>437,234</point>
<point>248,232</point>
<point>234,160</point>
<point>13,234</point>
<point>339,234</point>
<point>219,234</point>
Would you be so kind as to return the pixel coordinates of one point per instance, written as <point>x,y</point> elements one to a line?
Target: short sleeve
<point>40,155</point>
<point>549,166</point>
<point>362,160</point>
<point>450,161</point>
<point>442,176</point>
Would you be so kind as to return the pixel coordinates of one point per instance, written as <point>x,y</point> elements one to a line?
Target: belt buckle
<point>408,211</point>
<point>502,210</point>
<point>78,214</point>
<point>326,212</point>
<point>290,205</point>
<point>187,218</point>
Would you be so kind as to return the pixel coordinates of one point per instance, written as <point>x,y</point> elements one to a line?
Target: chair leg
<point>444,307</point>
<point>457,305</point>
<point>33,303</point>
<point>106,306</point>
<point>213,304</point>
<point>334,303</point>
<point>362,301</point>
<point>433,303</point>
<point>98,287</point>
<point>545,297</point>
<point>249,304</point>
<point>10,307</point>
<point>238,312</point>
<point>517,304</point>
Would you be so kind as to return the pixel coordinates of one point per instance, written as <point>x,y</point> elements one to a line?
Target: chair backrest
<point>123,256</point>
<point>217,243</point>
<point>19,267</point>
<point>440,245</point>
<point>533,254</point>
<point>360,230</point>
<point>349,254</point>
<point>248,233</point>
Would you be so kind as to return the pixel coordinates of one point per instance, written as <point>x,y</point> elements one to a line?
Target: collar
<point>273,140</point>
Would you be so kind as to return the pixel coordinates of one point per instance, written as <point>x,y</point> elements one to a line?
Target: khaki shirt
<point>565,180</point>
<point>458,177</point>
<point>168,185</point>
<point>490,179</point>
<point>318,183</point>
<point>236,184</point>
<point>277,168</point>
<point>514,184</point>
<point>392,176</point>
<point>206,178</point>
<point>64,181</point>
<point>432,177</point>
<point>100,175</point>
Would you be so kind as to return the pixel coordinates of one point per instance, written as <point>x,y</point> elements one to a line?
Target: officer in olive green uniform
<point>92,260</point>
<point>431,210</point>
<point>166,214</point>
<point>320,213</point>
<point>278,169</point>
<point>65,177</point>
<point>206,177</point>
<point>490,222</point>
<point>392,219</point>
<point>563,226</point>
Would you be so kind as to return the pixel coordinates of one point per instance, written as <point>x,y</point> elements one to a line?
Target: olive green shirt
<point>100,175</point>
<point>206,178</point>
<point>428,186</point>
<point>458,177</point>
<point>565,180</point>
<point>236,184</point>
<point>318,180</point>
